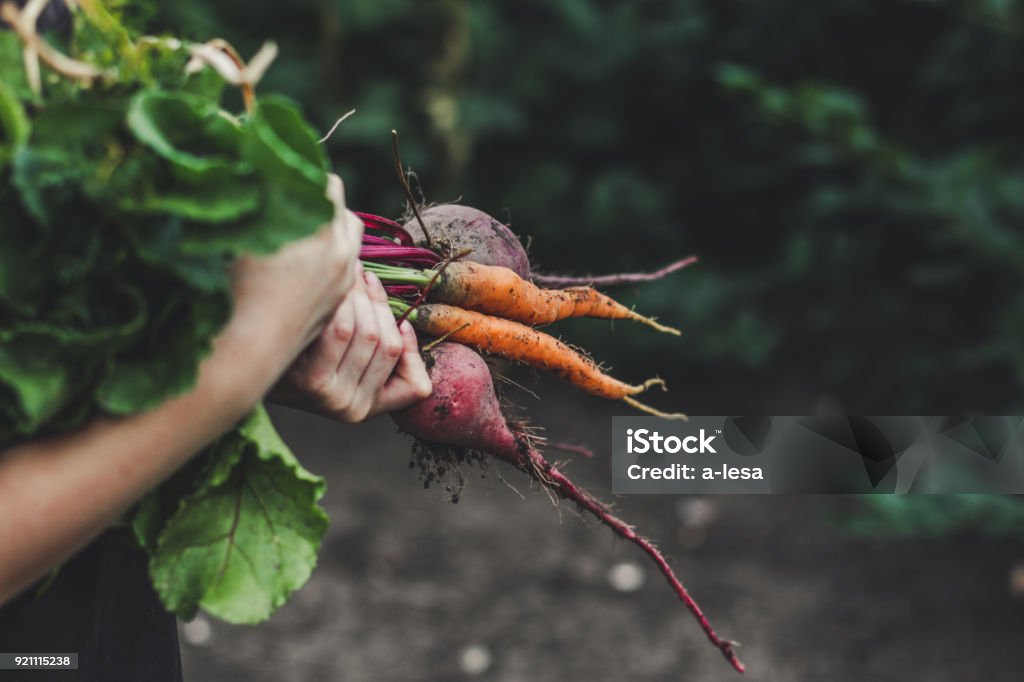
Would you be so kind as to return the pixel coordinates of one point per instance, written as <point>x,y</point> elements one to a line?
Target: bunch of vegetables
<point>126,191</point>
<point>477,297</point>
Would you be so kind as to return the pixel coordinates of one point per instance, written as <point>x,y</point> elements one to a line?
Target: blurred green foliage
<point>849,171</point>
<point>937,515</point>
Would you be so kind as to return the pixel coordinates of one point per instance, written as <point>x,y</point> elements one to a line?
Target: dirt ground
<point>503,589</point>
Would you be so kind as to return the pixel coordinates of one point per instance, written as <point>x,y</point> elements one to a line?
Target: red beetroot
<point>464,411</point>
<point>462,227</point>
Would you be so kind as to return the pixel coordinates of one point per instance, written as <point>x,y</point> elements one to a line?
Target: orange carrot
<point>519,342</point>
<point>497,290</point>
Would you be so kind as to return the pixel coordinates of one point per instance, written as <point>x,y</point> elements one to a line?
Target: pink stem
<point>372,239</point>
<point>412,255</point>
<point>377,222</point>
<point>402,290</point>
<point>560,281</point>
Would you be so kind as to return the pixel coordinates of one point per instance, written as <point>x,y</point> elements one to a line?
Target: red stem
<point>407,256</point>
<point>387,225</point>
<point>549,475</point>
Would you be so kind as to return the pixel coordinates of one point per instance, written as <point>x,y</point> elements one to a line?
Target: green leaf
<point>219,198</point>
<point>205,83</point>
<point>88,126</point>
<point>12,68</point>
<point>14,125</point>
<point>160,247</point>
<point>38,383</point>
<point>248,536</point>
<point>204,178</point>
<point>79,320</point>
<point>185,129</point>
<point>150,516</point>
<point>148,521</point>
<point>48,180</point>
<point>285,138</point>
<point>20,248</point>
<point>283,150</point>
<point>166,364</point>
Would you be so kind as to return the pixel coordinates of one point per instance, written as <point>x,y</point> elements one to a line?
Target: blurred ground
<point>413,588</point>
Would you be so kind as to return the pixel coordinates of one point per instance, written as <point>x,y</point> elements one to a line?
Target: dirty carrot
<point>497,290</point>
<point>521,343</point>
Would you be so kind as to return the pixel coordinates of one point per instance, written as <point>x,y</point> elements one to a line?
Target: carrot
<point>497,290</point>
<point>518,342</point>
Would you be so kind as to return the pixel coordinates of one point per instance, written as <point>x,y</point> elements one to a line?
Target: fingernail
<point>373,281</point>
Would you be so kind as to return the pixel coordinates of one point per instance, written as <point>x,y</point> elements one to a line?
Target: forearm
<point>58,494</point>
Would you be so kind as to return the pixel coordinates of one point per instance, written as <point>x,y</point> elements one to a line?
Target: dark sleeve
<point>101,606</point>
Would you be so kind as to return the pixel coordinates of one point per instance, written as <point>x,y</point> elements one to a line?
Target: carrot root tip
<point>650,383</point>
<point>650,410</point>
<point>651,322</point>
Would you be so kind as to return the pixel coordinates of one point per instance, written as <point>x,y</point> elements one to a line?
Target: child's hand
<point>361,365</point>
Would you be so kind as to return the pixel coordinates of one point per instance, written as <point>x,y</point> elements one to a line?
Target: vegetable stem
<point>398,275</point>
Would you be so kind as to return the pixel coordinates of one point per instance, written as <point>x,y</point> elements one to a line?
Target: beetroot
<point>464,411</point>
<point>460,227</point>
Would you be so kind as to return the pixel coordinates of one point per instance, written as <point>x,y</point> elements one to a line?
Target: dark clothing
<point>102,606</point>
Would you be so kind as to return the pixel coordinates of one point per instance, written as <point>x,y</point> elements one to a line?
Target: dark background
<point>850,174</point>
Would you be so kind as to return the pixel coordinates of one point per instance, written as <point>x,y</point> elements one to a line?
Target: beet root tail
<point>562,281</point>
<point>552,478</point>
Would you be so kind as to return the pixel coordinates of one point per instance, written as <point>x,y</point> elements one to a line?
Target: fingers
<point>336,190</point>
<point>412,363</point>
<point>389,346</point>
<point>411,367</point>
<point>352,226</point>
<point>321,360</point>
<point>410,382</point>
<point>362,346</point>
<point>346,223</point>
<point>362,363</point>
<point>347,235</point>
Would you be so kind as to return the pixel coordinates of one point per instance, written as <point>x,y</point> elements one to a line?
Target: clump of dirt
<point>443,465</point>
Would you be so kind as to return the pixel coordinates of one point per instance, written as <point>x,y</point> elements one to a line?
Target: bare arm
<point>57,494</point>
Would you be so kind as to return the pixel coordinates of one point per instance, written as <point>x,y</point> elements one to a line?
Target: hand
<point>283,300</point>
<point>362,364</point>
